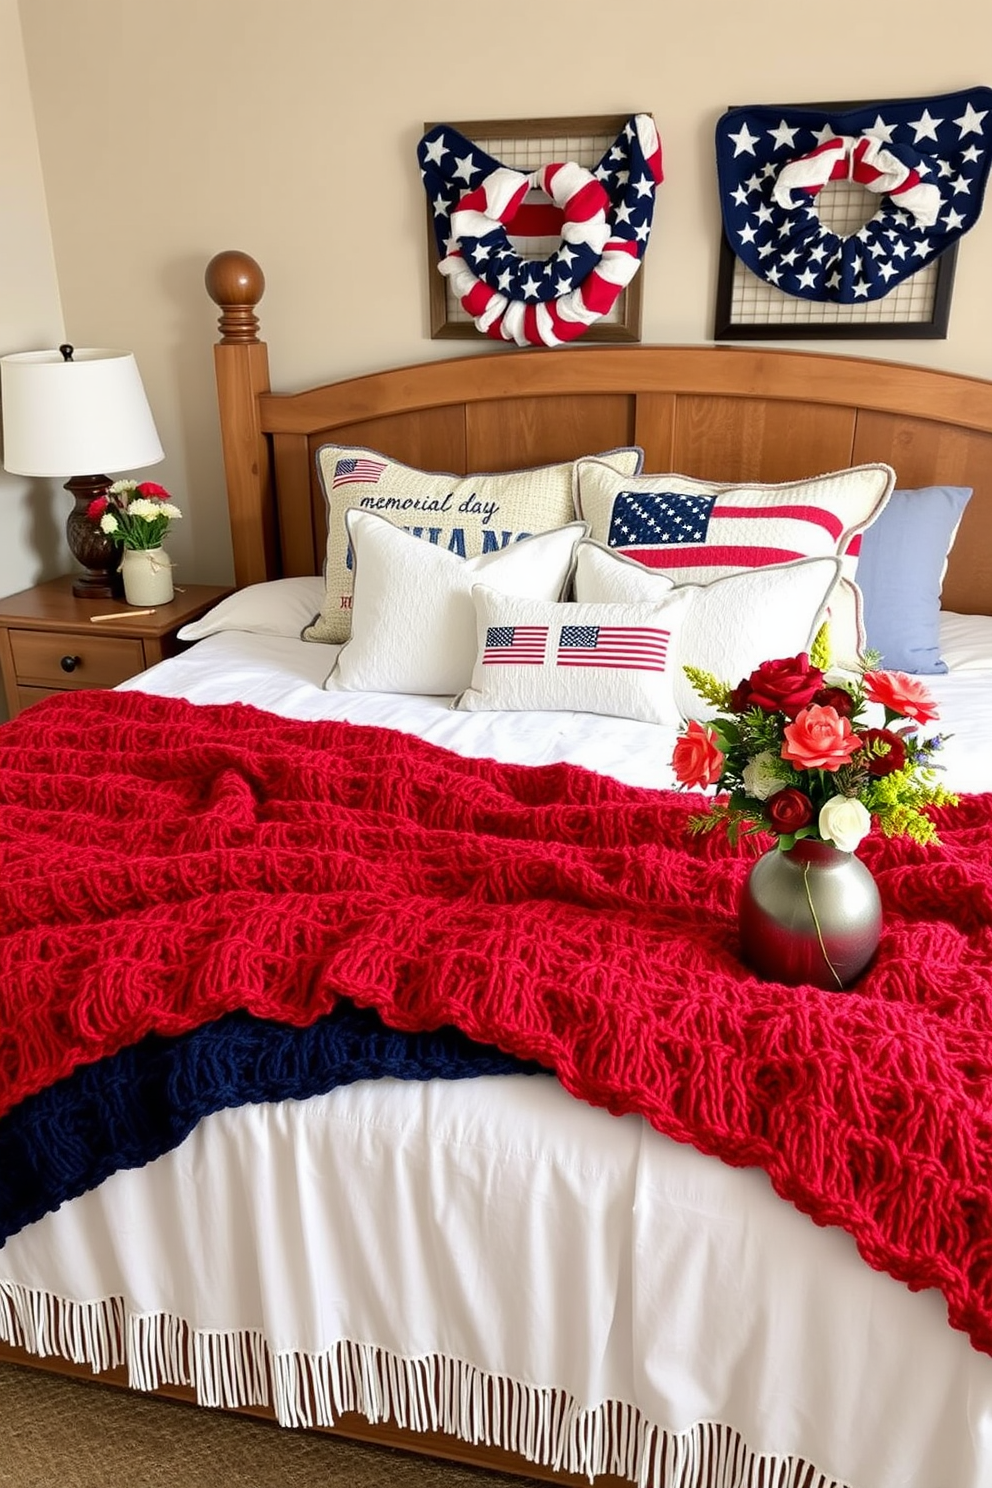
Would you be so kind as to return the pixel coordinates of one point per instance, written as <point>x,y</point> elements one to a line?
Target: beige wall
<point>32,513</point>
<point>170,129</point>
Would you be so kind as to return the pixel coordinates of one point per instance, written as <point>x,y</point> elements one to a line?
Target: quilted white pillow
<point>466,514</point>
<point>583,658</point>
<point>696,530</point>
<point>413,621</point>
<point>733,624</point>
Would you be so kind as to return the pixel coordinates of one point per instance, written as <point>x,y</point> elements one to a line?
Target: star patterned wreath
<point>602,218</point>
<point>926,159</point>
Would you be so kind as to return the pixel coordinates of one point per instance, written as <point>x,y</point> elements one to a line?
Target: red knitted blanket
<point>161,864</point>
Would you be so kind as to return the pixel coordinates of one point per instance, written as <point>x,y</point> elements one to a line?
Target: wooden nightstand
<point>49,642</point>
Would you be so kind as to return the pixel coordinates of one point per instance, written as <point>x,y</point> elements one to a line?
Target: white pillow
<point>466,514</point>
<point>734,623</point>
<point>534,655</point>
<point>281,607</point>
<point>698,530</point>
<point>966,642</point>
<point>413,622</point>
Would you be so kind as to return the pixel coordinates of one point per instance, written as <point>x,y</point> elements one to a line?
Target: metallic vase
<point>810,915</point>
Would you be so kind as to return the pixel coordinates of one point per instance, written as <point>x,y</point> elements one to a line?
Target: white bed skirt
<point>333,1246</point>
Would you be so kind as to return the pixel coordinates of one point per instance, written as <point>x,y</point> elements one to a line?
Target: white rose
<point>760,781</point>
<point>844,821</point>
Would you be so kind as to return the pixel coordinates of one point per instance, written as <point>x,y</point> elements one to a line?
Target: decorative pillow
<point>733,624</point>
<point>281,607</point>
<point>466,514</point>
<point>701,530</point>
<point>413,622</point>
<point>900,571</point>
<point>582,658</point>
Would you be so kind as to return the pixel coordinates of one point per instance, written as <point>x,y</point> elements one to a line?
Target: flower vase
<point>810,914</point>
<point>147,575</point>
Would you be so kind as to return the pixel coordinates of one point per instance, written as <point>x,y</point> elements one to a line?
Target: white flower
<point>108,522</point>
<point>844,821</point>
<point>759,779</point>
<point>170,511</point>
<point>142,507</point>
<point>123,487</point>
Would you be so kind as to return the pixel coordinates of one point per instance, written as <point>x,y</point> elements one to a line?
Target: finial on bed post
<point>236,283</point>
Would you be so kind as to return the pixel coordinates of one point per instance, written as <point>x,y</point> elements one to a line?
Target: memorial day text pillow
<point>467,515</point>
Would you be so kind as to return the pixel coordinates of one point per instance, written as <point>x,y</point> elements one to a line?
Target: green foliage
<point>821,652</point>
<point>716,693</point>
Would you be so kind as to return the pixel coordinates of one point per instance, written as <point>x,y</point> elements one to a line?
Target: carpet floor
<point>67,1433</point>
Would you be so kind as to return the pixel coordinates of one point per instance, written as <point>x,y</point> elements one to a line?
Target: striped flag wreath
<point>927,159</point>
<point>602,218</point>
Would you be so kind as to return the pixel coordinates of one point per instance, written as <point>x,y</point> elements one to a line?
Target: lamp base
<point>88,545</point>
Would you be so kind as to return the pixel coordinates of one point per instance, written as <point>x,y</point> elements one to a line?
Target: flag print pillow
<point>538,656</point>
<point>467,515</point>
<point>696,531</point>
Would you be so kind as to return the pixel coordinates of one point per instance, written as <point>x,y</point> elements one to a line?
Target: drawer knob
<point>70,663</point>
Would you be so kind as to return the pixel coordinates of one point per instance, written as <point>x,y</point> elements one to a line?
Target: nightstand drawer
<point>45,659</point>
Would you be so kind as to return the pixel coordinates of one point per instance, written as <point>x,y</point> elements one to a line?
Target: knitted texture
<point>130,1107</point>
<point>163,864</point>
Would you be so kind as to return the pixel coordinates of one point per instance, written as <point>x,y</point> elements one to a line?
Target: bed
<point>464,1258</point>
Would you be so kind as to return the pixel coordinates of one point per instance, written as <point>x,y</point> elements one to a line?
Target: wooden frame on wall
<point>749,309</point>
<point>525,144</point>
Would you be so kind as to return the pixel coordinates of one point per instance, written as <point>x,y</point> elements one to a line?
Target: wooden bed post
<point>236,283</point>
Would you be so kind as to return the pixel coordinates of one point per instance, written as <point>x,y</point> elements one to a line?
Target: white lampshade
<point>84,416</point>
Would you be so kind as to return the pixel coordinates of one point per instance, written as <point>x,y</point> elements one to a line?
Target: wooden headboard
<point>719,413</point>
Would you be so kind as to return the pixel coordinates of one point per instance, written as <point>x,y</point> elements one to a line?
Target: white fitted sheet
<point>430,1252</point>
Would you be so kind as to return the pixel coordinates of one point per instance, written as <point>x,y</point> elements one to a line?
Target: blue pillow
<point>900,571</point>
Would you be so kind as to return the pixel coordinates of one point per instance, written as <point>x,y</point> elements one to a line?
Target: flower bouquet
<point>793,753</point>
<point>136,518</point>
<point>133,515</point>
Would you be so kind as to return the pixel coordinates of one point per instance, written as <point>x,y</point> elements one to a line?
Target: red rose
<point>739,697</point>
<point>837,698</point>
<point>789,809</point>
<point>696,759</point>
<point>96,508</point>
<point>785,686</point>
<point>901,696</point>
<point>885,763</point>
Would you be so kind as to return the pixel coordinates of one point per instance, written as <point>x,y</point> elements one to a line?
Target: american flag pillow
<point>696,531</point>
<point>465,515</point>
<point>542,656</point>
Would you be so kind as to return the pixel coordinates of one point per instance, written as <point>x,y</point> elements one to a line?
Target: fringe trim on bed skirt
<point>427,1394</point>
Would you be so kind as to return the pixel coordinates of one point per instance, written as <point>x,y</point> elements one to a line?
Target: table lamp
<point>68,412</point>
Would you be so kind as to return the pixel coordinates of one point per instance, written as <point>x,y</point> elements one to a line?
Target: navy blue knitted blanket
<point>130,1107</point>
